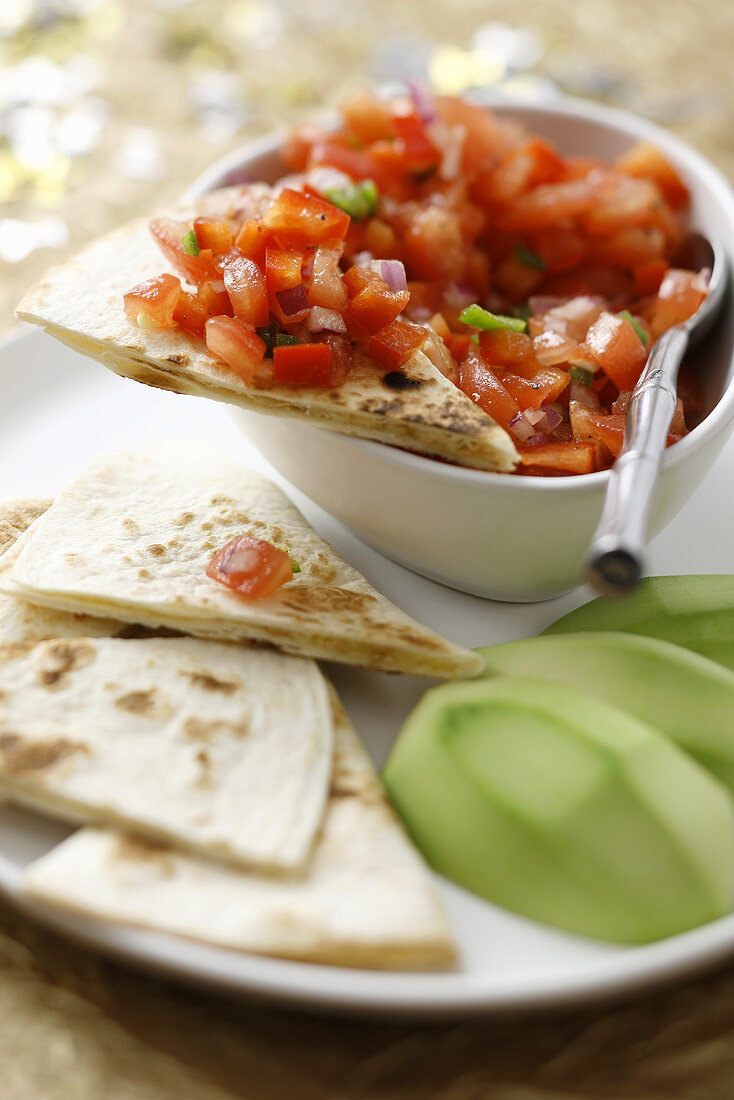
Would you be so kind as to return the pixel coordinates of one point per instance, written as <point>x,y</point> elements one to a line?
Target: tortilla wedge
<point>365,899</point>
<point>80,303</point>
<point>131,537</point>
<point>20,621</point>
<point>219,750</point>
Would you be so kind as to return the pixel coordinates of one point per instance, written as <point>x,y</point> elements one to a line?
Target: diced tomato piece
<point>245,285</point>
<point>624,202</point>
<point>535,163</point>
<point>679,296</point>
<point>156,299</point>
<point>298,145</point>
<point>194,310</point>
<point>356,163</point>
<point>560,249</point>
<point>381,240</point>
<point>648,277</point>
<point>567,458</point>
<point>283,271</point>
<point>213,234</point>
<point>516,279</point>
<point>630,247</point>
<point>168,235</point>
<point>589,425</point>
<point>487,137</point>
<point>645,160</point>
<point>479,382</point>
<point>327,287</point>
<point>504,347</point>
<point>439,326</point>
<point>252,240</point>
<point>368,117</point>
<point>420,152</point>
<point>545,385</point>
<point>303,365</point>
<point>546,205</point>
<point>372,304</point>
<point>394,344</point>
<point>251,567</point>
<point>283,268</point>
<point>460,346</point>
<point>342,356</point>
<point>435,246</point>
<point>237,344</point>
<point>616,347</point>
<point>305,219</point>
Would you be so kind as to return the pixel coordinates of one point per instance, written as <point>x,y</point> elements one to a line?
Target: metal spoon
<point>615,560</point>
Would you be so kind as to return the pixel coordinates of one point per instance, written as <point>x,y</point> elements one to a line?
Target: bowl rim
<point>562,106</point>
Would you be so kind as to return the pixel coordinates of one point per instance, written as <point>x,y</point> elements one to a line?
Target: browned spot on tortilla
<point>313,598</point>
<point>143,575</point>
<point>21,755</point>
<point>155,379</point>
<point>222,499</point>
<point>3,696</point>
<point>138,702</point>
<point>320,568</point>
<point>201,729</point>
<point>210,683</point>
<point>181,360</point>
<point>17,517</point>
<point>138,849</point>
<point>62,657</point>
<point>71,557</point>
<point>135,630</point>
<point>129,525</point>
<point>157,550</point>
<point>207,525</point>
<point>204,761</point>
<point>182,519</point>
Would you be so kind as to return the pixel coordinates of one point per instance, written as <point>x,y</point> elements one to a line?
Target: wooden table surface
<point>76,1027</point>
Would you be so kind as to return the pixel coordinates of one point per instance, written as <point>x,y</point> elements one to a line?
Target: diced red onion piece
<point>459,295</point>
<point>418,313</point>
<point>292,301</point>
<point>422,101</point>
<point>362,259</point>
<point>538,440</point>
<point>544,303</point>
<point>552,417</point>
<point>393,273</point>
<point>534,416</point>
<point>520,427</point>
<point>325,320</point>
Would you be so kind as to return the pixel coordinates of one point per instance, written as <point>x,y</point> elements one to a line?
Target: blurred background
<point>108,108</point>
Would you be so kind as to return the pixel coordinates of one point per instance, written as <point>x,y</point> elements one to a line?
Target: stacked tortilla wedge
<point>225,795</point>
<point>80,302</point>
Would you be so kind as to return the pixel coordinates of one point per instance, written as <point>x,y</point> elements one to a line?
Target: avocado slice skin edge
<point>694,611</point>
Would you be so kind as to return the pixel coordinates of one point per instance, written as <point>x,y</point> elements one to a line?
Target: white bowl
<point>503,537</point>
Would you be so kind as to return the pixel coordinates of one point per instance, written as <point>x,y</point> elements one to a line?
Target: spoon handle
<point>615,561</point>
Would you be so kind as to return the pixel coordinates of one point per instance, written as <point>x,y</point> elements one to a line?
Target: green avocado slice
<point>696,612</point>
<point>684,695</point>
<point>563,809</point>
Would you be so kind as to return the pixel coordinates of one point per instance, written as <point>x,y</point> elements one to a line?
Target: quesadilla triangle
<point>223,751</point>
<point>81,303</point>
<point>131,539</point>
<point>365,898</point>
<point>21,621</point>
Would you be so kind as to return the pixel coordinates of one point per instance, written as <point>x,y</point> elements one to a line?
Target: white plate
<point>59,411</point>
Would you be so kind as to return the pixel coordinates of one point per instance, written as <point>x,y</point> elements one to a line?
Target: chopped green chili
<point>483,319</point>
<point>582,375</point>
<point>190,243</point>
<point>359,200</point>
<point>531,259</point>
<point>637,327</point>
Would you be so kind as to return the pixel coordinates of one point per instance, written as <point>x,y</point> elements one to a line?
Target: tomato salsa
<point>537,282</point>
